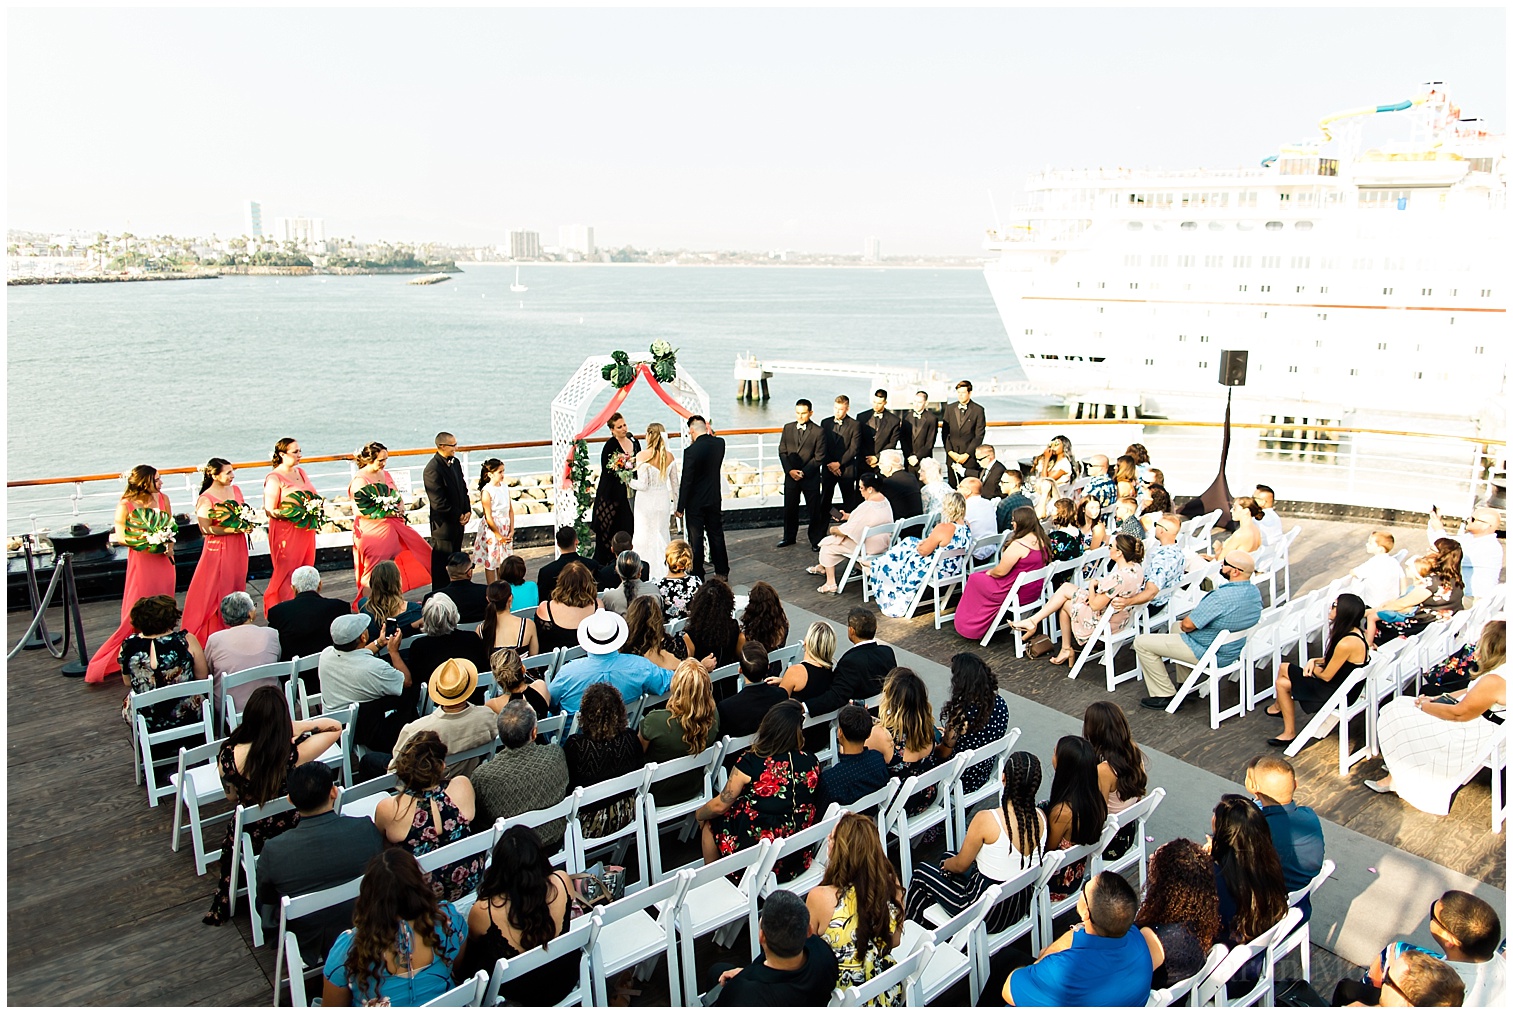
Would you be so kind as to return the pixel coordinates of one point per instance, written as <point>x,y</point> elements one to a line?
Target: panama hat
<point>453,682</point>
<point>603,633</point>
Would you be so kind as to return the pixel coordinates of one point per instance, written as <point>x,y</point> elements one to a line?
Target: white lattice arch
<point>570,409</point>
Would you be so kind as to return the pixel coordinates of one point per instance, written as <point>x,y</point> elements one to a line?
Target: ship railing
<point>1305,462</point>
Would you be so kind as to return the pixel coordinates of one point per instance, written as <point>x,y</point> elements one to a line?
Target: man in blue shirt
<point>1234,605</point>
<point>1103,962</point>
<point>602,636</point>
<point>1295,830</point>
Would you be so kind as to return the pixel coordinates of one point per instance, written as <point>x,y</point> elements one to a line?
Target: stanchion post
<point>42,638</point>
<point>80,666</point>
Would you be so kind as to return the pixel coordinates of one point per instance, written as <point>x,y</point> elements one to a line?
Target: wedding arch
<point>682,394</point>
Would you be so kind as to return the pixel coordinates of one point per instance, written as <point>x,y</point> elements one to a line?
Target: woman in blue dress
<point>898,573</point>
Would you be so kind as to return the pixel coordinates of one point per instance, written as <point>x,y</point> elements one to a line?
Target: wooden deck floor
<point>101,912</point>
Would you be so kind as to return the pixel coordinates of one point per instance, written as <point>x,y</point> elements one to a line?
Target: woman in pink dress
<point>223,562</point>
<point>1028,548</point>
<point>290,546</point>
<point>147,573</point>
<point>377,539</point>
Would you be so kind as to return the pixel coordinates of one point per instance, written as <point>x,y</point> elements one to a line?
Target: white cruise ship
<point>1368,286</point>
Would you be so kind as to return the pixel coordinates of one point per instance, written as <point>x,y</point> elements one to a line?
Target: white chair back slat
<point>1136,854</point>
<point>200,730</point>
<point>579,938</point>
<point>589,796</point>
<point>942,777</point>
<point>197,781</point>
<point>1212,991</point>
<point>963,800</point>
<point>1177,990</point>
<point>1034,879</point>
<point>469,994</point>
<point>536,819</point>
<point>287,953</point>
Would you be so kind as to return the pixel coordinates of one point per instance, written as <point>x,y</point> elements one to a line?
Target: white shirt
<point>1379,580</point>
<point>982,520</point>
<point>1483,559</point>
<point>1271,525</point>
<point>1486,981</point>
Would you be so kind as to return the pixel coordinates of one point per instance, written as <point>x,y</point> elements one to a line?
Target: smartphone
<point>835,514</point>
<point>391,627</point>
<point>1445,699</point>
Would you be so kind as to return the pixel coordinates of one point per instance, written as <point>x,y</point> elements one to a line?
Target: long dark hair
<point>643,615</point>
<point>499,596</point>
<point>781,731</point>
<point>1349,617</point>
<point>1248,861</point>
<point>483,473</point>
<point>268,732</point>
<point>1075,783</point>
<point>1027,522</point>
<point>520,875</point>
<point>393,891</point>
<point>210,471</point>
<point>1104,726</point>
<point>711,617</point>
<point>1021,783</point>
<point>973,689</point>
<point>858,863</point>
<point>1447,566</point>
<point>1181,889</point>
<point>764,619</point>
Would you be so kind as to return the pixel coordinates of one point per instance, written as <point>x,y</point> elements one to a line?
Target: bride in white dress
<point>656,486</point>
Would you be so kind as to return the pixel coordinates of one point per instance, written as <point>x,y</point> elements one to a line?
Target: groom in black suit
<point>699,496</point>
<point>447,492</point>
<point>802,452</point>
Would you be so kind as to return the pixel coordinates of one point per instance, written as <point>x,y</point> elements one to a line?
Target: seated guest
<point>1012,488</point>
<point>764,620</point>
<point>1482,564</point>
<point>742,713</point>
<point>1028,549</point>
<point>1295,830</point>
<point>973,716</point>
<point>1076,810</point>
<point>899,573</point>
<point>501,628</point>
<point>525,593</point>
<point>1233,605</point>
<point>429,811</point>
<point>517,684</point>
<point>857,770</point>
<point>992,469</point>
<point>1180,915</point>
<point>1467,929</point>
<point>1247,536</point>
<point>604,747</point>
<point>678,587</point>
<point>1160,502</point>
<point>860,671</point>
<point>304,622</point>
<point>788,777</point>
<point>1080,609</point>
<point>567,553</point>
<point>712,628</point>
<point>384,600</point>
<point>982,518</point>
<point>1046,495</point>
<point>899,486</point>
<point>523,776</point>
<point>1248,872</point>
<point>608,576</point>
<point>1142,459</point>
<point>858,906</point>
<point>321,851</point>
<point>574,598</point>
<point>1410,977</point>
<point>1380,579</point>
<point>648,636</point>
<point>1100,484</point>
<point>241,644</point>
<point>470,599</point>
<point>905,732</point>
<point>1270,521</point>
<point>1311,689</point>
<point>440,640</point>
<point>1121,767</point>
<point>159,654</point>
<point>933,485</point>
<point>686,727</point>
<point>1439,592</point>
<point>460,725</point>
<point>797,969</point>
<point>404,944</point>
<point>602,635</point>
<point>522,903</point>
<point>1164,566</point>
<point>352,673</point>
<point>1103,961</point>
<point>1126,520</point>
<point>628,582</point>
<point>813,675</point>
<point>837,547</point>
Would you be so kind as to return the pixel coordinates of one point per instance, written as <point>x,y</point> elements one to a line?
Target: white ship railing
<point>1380,469</point>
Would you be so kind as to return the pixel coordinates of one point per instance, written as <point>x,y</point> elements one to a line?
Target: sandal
<point>816,569</point>
<point>1064,658</point>
<point>828,589</point>
<point>1273,714</point>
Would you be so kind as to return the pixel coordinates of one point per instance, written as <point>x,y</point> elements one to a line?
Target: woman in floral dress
<point>1080,609</point>
<point>859,907</point>
<point>898,573</point>
<point>160,655</point>
<point>426,814</point>
<point>496,536</point>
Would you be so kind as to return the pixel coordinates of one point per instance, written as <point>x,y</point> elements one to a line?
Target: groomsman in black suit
<point>880,428</point>
<point>843,448</point>
<point>699,496</point>
<point>919,433</point>
<point>992,471</point>
<point>447,492</point>
<point>802,452</point>
<point>962,429</point>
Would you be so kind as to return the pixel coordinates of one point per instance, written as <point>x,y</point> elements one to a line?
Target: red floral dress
<point>780,801</point>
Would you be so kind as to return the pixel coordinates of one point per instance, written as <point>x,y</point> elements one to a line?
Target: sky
<point>806,130</point>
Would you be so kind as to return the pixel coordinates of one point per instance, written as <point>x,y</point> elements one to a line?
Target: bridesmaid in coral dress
<point>223,562</point>
<point>290,546</point>
<point>377,539</point>
<point>147,573</point>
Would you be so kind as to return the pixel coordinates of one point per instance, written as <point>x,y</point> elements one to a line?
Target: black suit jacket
<point>447,492</point>
<point>963,432</point>
<point>882,436</point>
<point>803,452</point>
<point>992,479</point>
<point>904,494</point>
<point>858,675</point>
<point>919,435</point>
<point>703,461</point>
<point>843,443</point>
<point>472,600</point>
<point>546,577</point>
<point>607,577</point>
<point>304,623</point>
<point>319,852</point>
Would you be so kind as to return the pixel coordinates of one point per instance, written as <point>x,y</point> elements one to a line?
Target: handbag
<point>598,885</point>
<point>1039,646</point>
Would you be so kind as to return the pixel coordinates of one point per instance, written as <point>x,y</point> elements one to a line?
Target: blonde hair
<point>906,711</point>
<point>679,556</point>
<point>385,594</point>
<point>819,643</point>
<point>953,507</point>
<point>691,702</point>
<point>1492,646</point>
<point>656,443</point>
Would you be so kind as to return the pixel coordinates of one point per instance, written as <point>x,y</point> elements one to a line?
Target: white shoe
<point>1379,787</point>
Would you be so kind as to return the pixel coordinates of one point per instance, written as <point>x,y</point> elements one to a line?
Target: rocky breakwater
<point>154,276</point>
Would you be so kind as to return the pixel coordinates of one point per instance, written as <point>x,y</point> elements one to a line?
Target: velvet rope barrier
<point>643,371</point>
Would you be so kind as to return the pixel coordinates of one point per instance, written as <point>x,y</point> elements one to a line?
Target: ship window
<point>1454,292</point>
<point>1029,330</point>
<point>1479,349</point>
<point>1050,357</point>
<point>1181,337</point>
<point>1096,359</point>
<point>1292,369</point>
<point>1203,338</point>
<point>1323,316</point>
<point>1318,345</point>
<point>1244,287</point>
<point>1426,292</point>
<point>1100,309</point>
<point>1264,314</point>
<point>1485,293</point>
<point>1300,262</point>
<point>1303,226</point>
<point>1354,373</point>
<point>1362,264</point>
<point>1134,285</point>
<point>1266,288</point>
<point>1245,226</point>
<point>1202,366</point>
<point>1188,226</point>
<point>1158,260</point>
<point>1184,260</point>
<point>1213,260</point>
<point>1298,288</point>
<point>1102,284</point>
<point>1387,291</point>
<point>1381,346</point>
<point>1215,226</point>
<point>1418,376</point>
<point>1150,362</point>
<point>1323,290</point>
<point>1240,261</point>
<point>1271,262</point>
<point>1274,226</point>
<point>1134,226</point>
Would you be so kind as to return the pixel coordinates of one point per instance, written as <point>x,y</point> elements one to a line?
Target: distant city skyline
<point>825,130</point>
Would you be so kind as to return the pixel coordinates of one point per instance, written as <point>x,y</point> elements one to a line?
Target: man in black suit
<point>859,672</point>
<point>447,491</point>
<point>962,429</point>
<point>567,552</point>
<point>843,447</point>
<point>802,452</point>
<point>919,433</point>
<point>608,576</point>
<point>700,496</point>
<point>900,487</point>
<point>471,600</point>
<point>992,470</point>
<point>304,622</point>
<point>881,428</point>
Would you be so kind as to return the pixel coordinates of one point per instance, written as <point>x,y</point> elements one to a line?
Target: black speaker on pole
<point>1232,367</point>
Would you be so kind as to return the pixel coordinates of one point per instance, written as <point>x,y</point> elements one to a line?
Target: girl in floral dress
<point>496,537</point>
<point>859,907</point>
<point>898,573</point>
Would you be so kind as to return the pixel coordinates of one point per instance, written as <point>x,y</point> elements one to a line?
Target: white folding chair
<point>1184,987</point>
<point>1183,597</point>
<point>1106,641</point>
<point>677,811</point>
<point>552,728</point>
<point>1497,760</point>
<point>286,954</point>
<point>1032,878</point>
<point>1301,939</point>
<point>731,748</point>
<point>963,799</point>
<point>1135,854</point>
<point>1194,533</point>
<point>1208,676</point>
<point>952,941</point>
<point>812,837</point>
<point>362,799</point>
<point>536,819</point>
<point>589,796</point>
<point>943,778</point>
<point>860,557</point>
<point>198,780</point>
<point>197,731</point>
<point>301,701</point>
<point>1213,992</point>
<point>1012,607</point>
<point>469,994</point>
<point>920,521</point>
<point>821,729</point>
<point>230,718</point>
<point>551,661</point>
<point>580,938</point>
<point>936,578</point>
<point>631,937</point>
<point>712,903</point>
<point>904,973</point>
<point>480,844</point>
<point>997,541</point>
<point>1050,909</point>
<point>244,857</point>
<point>1337,713</point>
<point>572,654</point>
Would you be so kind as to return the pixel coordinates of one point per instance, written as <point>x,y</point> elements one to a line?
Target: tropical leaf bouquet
<point>378,500</point>
<point>620,372</point>
<point>150,530</point>
<point>664,365</point>
<point>305,509</point>
<point>232,515</point>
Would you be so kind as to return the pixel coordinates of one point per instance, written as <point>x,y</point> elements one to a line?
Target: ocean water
<point>102,377</point>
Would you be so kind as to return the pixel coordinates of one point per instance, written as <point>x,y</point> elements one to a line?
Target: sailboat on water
<point>517,287</point>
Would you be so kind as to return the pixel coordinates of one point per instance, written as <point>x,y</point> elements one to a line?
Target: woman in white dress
<point>1432,749</point>
<point>656,486</point>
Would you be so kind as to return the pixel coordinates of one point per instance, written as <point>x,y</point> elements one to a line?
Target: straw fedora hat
<point>453,682</point>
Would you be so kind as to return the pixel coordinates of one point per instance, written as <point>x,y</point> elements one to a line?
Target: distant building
<point>252,220</point>
<point>576,239</point>
<point>525,246</point>
<point>305,232</point>
<point>872,250</point>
